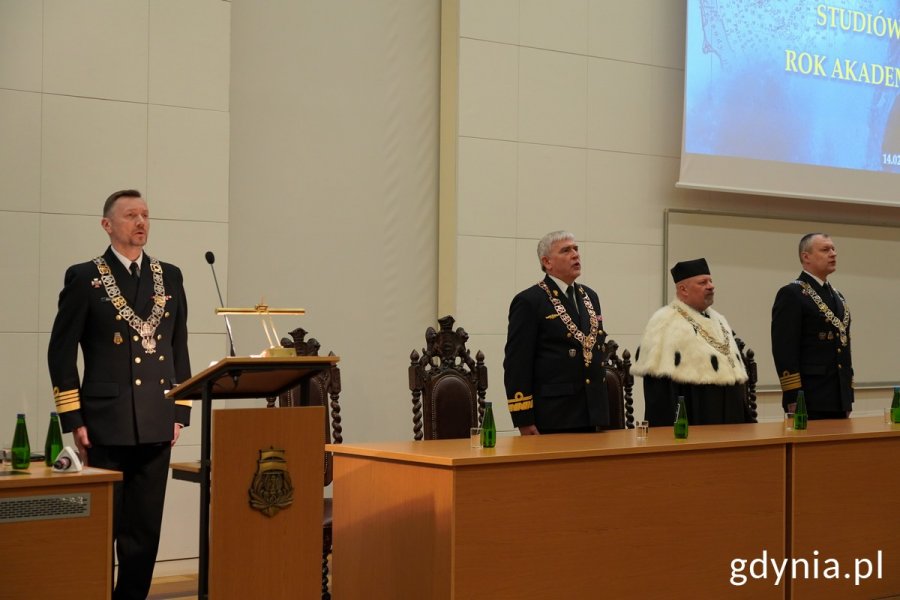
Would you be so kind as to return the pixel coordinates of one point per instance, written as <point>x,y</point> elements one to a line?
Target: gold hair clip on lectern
<point>265,313</point>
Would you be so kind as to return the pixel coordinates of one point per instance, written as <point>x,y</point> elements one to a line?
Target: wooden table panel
<point>392,530</point>
<point>56,558</point>
<point>846,506</point>
<point>665,526</point>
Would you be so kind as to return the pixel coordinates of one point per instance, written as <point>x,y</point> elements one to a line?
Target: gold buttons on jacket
<point>587,381</point>
<point>161,357</point>
<point>167,313</point>
<point>137,359</point>
<point>162,381</point>
<point>159,337</point>
<point>137,382</point>
<point>135,338</point>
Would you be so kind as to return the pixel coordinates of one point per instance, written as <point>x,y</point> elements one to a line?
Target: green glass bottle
<point>895,406</point>
<point>800,415</point>
<point>54,445</point>
<point>488,427</point>
<point>21,449</point>
<point>681,420</point>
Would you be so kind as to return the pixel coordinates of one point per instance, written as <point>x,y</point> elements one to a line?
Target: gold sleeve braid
<point>520,402</point>
<point>790,381</point>
<point>67,401</point>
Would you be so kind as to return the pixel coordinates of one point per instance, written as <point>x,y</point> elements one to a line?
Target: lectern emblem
<point>271,490</point>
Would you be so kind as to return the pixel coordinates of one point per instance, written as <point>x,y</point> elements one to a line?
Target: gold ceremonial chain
<point>587,341</point>
<point>829,314</point>
<point>147,328</point>
<point>722,347</point>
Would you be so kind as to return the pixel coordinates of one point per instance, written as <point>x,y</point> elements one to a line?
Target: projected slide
<point>795,81</point>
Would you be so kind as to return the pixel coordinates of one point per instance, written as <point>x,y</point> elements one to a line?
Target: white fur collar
<point>670,338</point>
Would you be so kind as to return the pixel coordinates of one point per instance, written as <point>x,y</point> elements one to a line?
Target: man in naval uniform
<point>552,367</point>
<point>689,350</point>
<point>811,335</point>
<point>128,312</point>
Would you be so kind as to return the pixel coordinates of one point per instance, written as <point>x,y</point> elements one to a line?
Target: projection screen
<point>793,98</point>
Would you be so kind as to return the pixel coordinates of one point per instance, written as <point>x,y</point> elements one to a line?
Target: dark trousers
<point>137,511</point>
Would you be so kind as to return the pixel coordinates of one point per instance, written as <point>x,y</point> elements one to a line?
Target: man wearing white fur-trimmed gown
<point>688,349</point>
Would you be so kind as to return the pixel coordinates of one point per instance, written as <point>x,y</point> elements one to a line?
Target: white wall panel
<point>553,98</point>
<point>623,30</point>
<point>486,283</point>
<point>96,48</point>
<point>188,163</point>
<point>619,107</point>
<point>488,186</point>
<point>489,85</point>
<point>490,20</point>
<point>20,151</point>
<point>19,243</point>
<point>190,53</point>
<point>559,25</point>
<point>552,194</point>
<point>90,148</point>
<point>21,35</point>
<point>18,368</point>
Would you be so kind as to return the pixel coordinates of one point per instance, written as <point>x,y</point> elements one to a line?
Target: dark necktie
<point>135,281</point>
<point>830,298</point>
<point>570,292</point>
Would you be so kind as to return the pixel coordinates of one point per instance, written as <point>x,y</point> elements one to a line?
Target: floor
<point>174,587</point>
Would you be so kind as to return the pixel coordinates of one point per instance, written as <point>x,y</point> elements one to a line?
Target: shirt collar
<point>126,262</point>
<point>819,281</point>
<point>562,285</point>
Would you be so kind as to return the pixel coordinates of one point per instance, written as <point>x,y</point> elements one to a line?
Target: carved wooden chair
<point>748,356</point>
<point>325,390</point>
<point>619,386</point>
<point>447,385</point>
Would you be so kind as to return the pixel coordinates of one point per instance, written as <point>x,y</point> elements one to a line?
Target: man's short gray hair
<point>806,242</point>
<point>543,247</point>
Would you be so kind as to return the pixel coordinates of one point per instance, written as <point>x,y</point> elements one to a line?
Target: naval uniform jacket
<point>807,348</point>
<point>547,383</point>
<point>121,397</point>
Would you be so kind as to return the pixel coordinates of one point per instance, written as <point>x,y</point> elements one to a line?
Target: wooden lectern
<point>239,436</point>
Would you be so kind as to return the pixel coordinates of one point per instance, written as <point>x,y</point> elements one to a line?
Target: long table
<point>56,533</point>
<point>579,516</point>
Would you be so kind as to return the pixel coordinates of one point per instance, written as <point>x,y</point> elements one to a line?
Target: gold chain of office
<point>841,326</point>
<point>723,347</point>
<point>587,341</point>
<point>145,329</point>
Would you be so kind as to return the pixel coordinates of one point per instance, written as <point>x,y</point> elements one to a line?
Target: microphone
<point>211,258</point>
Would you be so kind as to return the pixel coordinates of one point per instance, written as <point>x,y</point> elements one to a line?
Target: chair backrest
<point>748,356</point>
<point>619,386</point>
<point>324,390</point>
<point>448,387</point>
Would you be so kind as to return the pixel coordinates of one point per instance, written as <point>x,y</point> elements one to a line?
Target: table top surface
<point>516,448</point>
<point>40,475</point>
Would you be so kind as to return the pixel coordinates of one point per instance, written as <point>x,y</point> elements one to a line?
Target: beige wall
<point>334,188</point>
